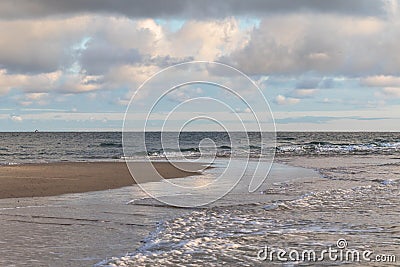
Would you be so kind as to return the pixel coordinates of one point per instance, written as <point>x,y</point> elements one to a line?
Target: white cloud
<point>207,40</point>
<point>91,52</point>
<point>38,46</point>
<point>331,44</point>
<point>243,110</point>
<point>96,49</point>
<point>40,84</point>
<point>16,118</point>
<point>183,94</point>
<point>391,92</point>
<point>305,92</point>
<point>283,100</point>
<point>389,85</point>
<point>381,81</point>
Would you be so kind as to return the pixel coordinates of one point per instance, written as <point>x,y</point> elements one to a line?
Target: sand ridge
<point>37,180</point>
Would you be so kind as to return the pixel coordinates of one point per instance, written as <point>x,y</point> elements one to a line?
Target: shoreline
<point>52,179</point>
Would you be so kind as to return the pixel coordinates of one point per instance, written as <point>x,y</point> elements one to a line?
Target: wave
<point>230,232</point>
<point>93,146</point>
<point>319,143</point>
<point>340,148</point>
<point>223,151</point>
<point>191,149</point>
<point>286,138</point>
<point>9,163</point>
<point>109,144</point>
<point>253,151</point>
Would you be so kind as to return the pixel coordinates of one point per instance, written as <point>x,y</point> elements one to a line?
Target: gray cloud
<point>38,46</point>
<point>185,8</point>
<point>99,57</point>
<point>321,45</point>
<point>165,61</point>
<point>308,83</point>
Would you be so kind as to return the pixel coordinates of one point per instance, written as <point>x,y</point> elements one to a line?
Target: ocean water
<point>105,146</point>
<point>352,198</point>
<point>322,187</point>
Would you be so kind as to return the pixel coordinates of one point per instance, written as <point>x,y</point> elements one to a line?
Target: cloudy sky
<point>322,65</point>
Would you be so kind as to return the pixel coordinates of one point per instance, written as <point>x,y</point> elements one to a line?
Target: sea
<point>44,147</point>
<point>337,191</point>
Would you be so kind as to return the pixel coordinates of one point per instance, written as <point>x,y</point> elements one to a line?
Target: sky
<point>321,65</point>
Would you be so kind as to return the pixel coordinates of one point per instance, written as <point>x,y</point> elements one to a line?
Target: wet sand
<point>38,180</point>
<point>88,228</point>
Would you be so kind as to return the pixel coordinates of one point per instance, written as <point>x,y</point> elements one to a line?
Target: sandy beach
<point>38,180</point>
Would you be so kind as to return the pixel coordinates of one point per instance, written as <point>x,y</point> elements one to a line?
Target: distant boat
<point>36,131</point>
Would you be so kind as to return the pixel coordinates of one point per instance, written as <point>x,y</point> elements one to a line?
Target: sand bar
<point>37,180</point>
